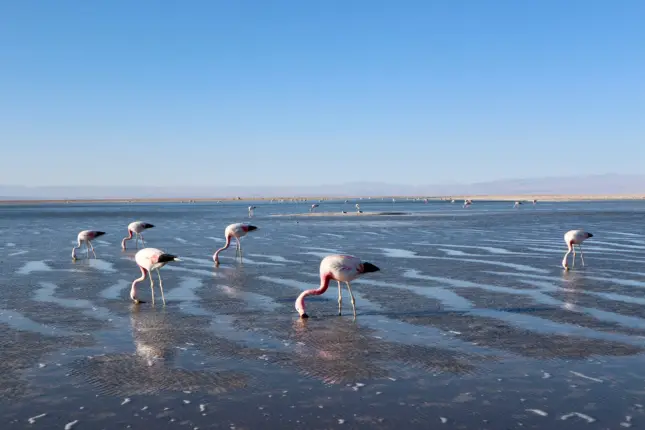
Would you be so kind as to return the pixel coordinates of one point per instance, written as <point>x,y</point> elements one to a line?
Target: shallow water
<point>470,324</point>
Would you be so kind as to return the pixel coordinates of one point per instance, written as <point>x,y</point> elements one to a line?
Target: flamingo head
<point>98,233</point>
<point>589,235</point>
<point>166,258</point>
<point>369,268</point>
<point>251,228</point>
<point>300,304</point>
<point>146,225</point>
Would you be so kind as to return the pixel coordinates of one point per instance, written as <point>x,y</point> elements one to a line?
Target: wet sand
<point>470,324</point>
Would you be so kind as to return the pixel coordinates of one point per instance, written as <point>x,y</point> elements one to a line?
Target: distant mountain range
<point>577,185</point>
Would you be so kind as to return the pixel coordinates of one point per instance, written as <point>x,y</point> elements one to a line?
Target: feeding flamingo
<point>86,236</point>
<point>341,268</point>
<point>149,259</point>
<point>251,211</point>
<point>314,206</point>
<point>571,238</point>
<point>237,231</point>
<point>136,227</point>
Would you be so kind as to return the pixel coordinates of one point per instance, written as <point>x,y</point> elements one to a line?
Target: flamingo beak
<point>590,235</point>
<point>252,227</point>
<point>369,267</point>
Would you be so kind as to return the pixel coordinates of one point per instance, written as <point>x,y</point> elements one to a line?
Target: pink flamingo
<point>236,231</point>
<point>149,259</point>
<point>136,227</point>
<point>314,206</point>
<point>341,268</point>
<point>571,238</point>
<point>86,236</point>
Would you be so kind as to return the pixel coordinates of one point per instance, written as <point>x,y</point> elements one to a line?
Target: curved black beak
<point>146,225</point>
<point>252,227</point>
<point>99,233</point>
<point>369,267</point>
<point>590,235</point>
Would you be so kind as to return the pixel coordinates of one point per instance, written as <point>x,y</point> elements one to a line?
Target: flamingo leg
<point>353,300</point>
<point>136,240</point>
<point>74,250</point>
<point>573,262</point>
<point>92,248</point>
<point>143,243</point>
<point>582,257</point>
<point>87,247</point>
<point>340,298</point>
<point>161,287</point>
<point>152,289</point>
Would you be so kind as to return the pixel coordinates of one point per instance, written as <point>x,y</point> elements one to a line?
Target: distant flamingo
<point>467,203</point>
<point>251,211</point>
<point>237,231</point>
<point>341,268</point>
<point>136,227</point>
<point>149,259</point>
<point>517,203</point>
<point>571,238</point>
<point>86,236</point>
<point>314,206</point>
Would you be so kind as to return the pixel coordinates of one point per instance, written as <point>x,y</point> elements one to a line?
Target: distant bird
<point>251,210</point>
<point>571,238</point>
<point>358,208</point>
<point>234,231</point>
<point>341,268</point>
<point>86,236</point>
<point>136,227</point>
<point>467,203</point>
<point>534,201</point>
<point>149,259</point>
<point>314,206</point>
<point>517,203</point>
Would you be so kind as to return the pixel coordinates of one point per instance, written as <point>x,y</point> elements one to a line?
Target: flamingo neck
<point>126,238</point>
<point>226,245</point>
<point>324,284</point>
<point>133,290</point>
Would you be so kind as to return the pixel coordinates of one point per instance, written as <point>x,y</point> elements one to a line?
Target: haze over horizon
<point>608,184</point>
<point>236,94</point>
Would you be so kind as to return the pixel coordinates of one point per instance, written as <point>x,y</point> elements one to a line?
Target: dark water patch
<point>500,335</point>
<point>592,301</point>
<point>520,304</point>
<point>127,375</point>
<point>21,350</point>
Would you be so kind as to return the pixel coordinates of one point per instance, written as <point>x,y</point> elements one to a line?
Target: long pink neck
<point>324,284</point>
<point>133,290</point>
<point>126,238</point>
<point>228,242</point>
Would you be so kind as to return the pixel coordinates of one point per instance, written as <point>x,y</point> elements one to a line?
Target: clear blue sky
<point>312,92</point>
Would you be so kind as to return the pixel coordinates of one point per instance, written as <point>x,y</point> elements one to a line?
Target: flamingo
<point>251,209</point>
<point>571,238</point>
<point>86,236</point>
<point>136,227</point>
<point>517,203</point>
<point>314,206</point>
<point>341,268</point>
<point>234,230</point>
<point>149,259</point>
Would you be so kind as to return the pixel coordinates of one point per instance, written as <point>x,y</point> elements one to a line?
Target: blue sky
<point>314,92</point>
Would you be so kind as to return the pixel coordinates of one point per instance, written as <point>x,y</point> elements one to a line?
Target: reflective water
<point>470,324</point>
